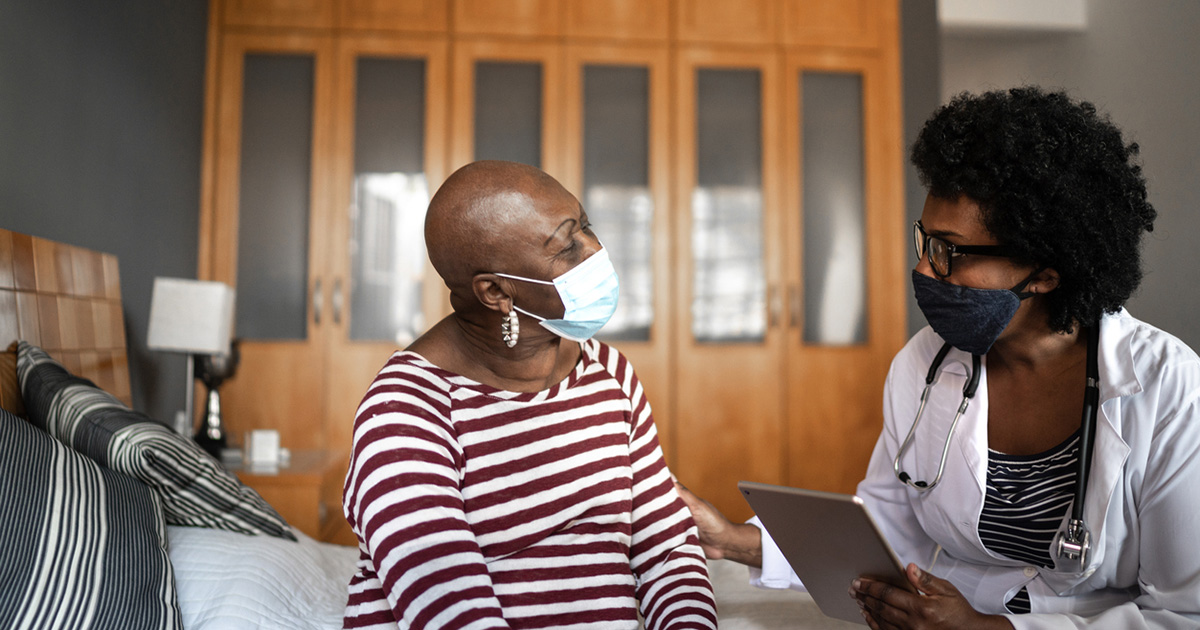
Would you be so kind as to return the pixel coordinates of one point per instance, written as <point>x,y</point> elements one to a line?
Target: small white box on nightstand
<point>262,448</point>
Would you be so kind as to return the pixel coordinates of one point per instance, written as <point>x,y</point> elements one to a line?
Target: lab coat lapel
<point>974,443</point>
<point>962,478</point>
<point>1110,450</point>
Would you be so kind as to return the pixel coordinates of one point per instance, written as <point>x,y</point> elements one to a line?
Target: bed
<point>113,521</point>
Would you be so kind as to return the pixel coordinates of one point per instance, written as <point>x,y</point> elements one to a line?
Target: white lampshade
<point>193,316</point>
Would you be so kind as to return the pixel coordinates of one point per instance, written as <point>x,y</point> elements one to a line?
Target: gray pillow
<point>81,546</point>
<point>194,488</point>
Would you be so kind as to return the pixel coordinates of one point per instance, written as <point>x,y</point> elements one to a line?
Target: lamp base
<point>211,436</point>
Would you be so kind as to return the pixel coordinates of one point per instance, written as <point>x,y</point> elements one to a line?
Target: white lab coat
<point>1143,495</point>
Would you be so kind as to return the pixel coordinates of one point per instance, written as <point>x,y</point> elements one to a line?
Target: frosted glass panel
<point>387,216</point>
<point>729,282</point>
<point>508,112</point>
<point>616,188</point>
<point>835,292</point>
<point>272,279</point>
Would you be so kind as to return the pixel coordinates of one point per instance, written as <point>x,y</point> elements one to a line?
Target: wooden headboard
<point>67,300</point>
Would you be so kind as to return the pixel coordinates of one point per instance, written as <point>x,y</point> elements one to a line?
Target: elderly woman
<point>1028,247</point>
<point>506,471</point>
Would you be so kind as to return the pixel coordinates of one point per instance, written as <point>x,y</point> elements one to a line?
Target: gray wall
<point>920,49</point>
<point>101,109</point>
<point>1136,61</point>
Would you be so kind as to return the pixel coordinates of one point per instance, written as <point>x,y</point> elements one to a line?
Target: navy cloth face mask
<point>967,318</point>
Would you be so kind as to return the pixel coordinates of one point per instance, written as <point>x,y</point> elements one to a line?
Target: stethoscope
<point>1072,545</point>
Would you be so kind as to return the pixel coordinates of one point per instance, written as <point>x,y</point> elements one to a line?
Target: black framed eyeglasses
<point>942,253</point>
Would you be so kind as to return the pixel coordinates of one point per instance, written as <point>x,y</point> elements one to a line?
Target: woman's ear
<point>1044,281</point>
<point>489,292</point>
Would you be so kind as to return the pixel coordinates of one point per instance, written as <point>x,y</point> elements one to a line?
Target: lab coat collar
<point>1117,375</point>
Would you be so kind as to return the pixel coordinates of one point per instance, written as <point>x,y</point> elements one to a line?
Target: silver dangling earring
<point>510,328</point>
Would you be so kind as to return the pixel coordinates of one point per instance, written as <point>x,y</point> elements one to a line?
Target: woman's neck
<point>1038,348</point>
<point>465,347</point>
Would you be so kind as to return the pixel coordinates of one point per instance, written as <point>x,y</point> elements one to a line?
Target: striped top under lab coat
<point>1027,497</point>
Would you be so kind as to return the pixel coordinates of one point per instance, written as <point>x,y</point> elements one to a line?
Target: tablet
<point>829,539</point>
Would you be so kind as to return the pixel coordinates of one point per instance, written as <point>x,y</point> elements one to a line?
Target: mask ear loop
<point>517,309</point>
<point>1020,288</point>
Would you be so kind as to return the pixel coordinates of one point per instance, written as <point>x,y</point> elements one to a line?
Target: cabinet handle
<point>316,302</point>
<point>773,306</point>
<point>337,301</point>
<point>794,305</point>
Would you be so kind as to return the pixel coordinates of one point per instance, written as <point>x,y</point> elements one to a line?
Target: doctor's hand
<point>939,605</point>
<point>720,538</point>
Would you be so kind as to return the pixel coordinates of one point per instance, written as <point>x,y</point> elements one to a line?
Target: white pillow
<point>228,580</point>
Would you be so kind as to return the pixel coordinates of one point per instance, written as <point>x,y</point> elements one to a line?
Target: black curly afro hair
<point>1053,179</point>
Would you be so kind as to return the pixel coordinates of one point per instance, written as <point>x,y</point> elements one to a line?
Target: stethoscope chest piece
<point>1071,546</point>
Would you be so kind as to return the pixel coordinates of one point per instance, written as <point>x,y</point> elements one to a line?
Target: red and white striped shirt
<point>476,507</point>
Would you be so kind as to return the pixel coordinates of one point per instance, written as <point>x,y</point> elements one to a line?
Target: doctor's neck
<point>1032,347</point>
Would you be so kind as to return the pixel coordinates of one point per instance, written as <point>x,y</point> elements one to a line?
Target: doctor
<point>1028,245</point>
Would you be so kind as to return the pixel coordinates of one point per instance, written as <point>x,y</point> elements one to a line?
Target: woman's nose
<point>591,246</point>
<point>923,267</point>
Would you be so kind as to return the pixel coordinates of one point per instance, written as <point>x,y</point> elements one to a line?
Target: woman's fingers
<point>887,605</point>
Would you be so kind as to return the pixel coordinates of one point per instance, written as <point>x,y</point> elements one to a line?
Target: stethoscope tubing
<point>968,393</point>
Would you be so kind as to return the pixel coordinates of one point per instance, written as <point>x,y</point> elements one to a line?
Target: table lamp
<point>194,317</point>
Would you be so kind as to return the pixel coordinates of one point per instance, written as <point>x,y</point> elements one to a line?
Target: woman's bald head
<point>475,220</point>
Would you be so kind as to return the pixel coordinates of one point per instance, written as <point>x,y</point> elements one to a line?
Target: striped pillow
<point>194,488</point>
<point>81,546</point>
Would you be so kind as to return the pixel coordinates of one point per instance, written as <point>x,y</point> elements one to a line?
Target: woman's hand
<point>939,605</point>
<point>720,538</point>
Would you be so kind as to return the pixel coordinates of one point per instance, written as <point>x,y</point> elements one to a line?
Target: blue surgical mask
<point>588,292</point>
<point>967,318</point>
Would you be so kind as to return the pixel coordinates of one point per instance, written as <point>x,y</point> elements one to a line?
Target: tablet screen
<point>829,539</point>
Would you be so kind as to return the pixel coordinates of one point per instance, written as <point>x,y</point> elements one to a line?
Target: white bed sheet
<point>230,581</point>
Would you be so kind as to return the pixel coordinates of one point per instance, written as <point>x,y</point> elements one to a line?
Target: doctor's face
<point>959,223</point>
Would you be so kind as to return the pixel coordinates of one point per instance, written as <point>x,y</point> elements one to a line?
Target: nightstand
<point>307,493</point>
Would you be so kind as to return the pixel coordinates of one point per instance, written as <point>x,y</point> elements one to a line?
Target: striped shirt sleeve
<point>666,558</point>
<point>403,502</point>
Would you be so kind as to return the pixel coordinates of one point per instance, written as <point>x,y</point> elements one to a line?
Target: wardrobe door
<point>845,265</point>
<point>277,13</point>
<point>267,225</point>
<point>628,20</point>
<point>616,161</point>
<point>747,22</point>
<point>507,104</point>
<point>410,16</point>
<point>519,18</point>
<point>389,158</point>
<point>728,322</point>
